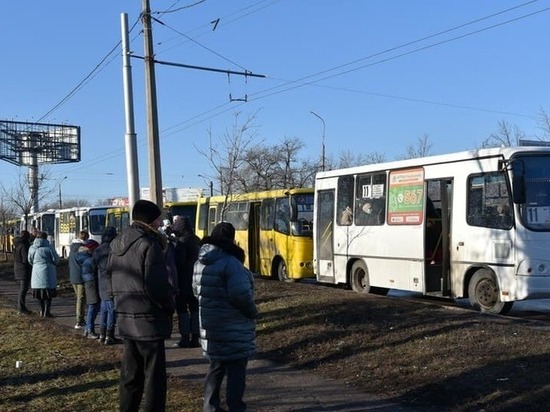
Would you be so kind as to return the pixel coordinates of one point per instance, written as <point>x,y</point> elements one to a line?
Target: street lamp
<point>60,199</point>
<point>323,142</point>
<point>210,184</point>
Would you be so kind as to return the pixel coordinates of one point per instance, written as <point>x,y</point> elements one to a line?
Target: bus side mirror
<point>518,182</point>
<point>518,189</point>
<point>293,213</point>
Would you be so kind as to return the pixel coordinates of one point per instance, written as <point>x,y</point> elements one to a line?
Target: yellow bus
<point>120,218</point>
<point>275,229</point>
<point>180,209</point>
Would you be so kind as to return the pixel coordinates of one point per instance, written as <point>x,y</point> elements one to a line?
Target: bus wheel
<point>484,293</point>
<point>359,278</point>
<point>282,274</point>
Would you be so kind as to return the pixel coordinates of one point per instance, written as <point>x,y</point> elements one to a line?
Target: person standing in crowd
<point>75,275</point>
<point>225,289</point>
<point>89,277</point>
<point>22,269</point>
<point>44,260</point>
<point>187,305</point>
<point>107,318</point>
<point>144,304</point>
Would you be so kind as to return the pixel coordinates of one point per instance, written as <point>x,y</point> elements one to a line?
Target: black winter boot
<point>102,335</point>
<point>194,341</point>
<point>47,306</point>
<point>110,338</point>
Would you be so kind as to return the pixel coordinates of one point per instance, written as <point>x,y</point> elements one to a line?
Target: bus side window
<point>282,216</point>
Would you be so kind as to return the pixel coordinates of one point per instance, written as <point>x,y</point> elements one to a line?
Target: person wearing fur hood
<point>225,290</point>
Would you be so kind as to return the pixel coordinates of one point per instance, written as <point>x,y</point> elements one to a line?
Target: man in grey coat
<point>225,289</point>
<point>144,304</point>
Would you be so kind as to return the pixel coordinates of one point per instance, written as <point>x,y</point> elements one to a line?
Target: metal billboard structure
<point>33,144</point>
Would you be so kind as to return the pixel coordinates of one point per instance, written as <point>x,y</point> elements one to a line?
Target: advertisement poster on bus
<point>406,197</point>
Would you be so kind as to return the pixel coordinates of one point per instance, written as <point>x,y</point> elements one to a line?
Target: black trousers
<point>235,385</point>
<point>143,374</point>
<point>24,285</point>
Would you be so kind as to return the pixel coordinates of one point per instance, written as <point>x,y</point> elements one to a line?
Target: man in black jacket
<point>187,305</point>
<point>144,304</point>
<point>22,269</point>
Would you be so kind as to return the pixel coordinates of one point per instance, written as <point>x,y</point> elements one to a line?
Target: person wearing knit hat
<point>228,319</point>
<point>145,211</point>
<point>144,304</point>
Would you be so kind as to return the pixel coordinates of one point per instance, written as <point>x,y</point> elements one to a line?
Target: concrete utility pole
<point>132,175</point>
<point>155,174</point>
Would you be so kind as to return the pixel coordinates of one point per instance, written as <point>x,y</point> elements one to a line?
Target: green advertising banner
<point>406,197</point>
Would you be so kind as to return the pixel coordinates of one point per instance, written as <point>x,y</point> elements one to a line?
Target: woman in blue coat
<point>44,260</point>
<point>225,289</point>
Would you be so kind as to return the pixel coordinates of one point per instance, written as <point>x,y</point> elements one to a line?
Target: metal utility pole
<point>132,175</point>
<point>323,142</point>
<point>61,198</point>
<point>155,175</point>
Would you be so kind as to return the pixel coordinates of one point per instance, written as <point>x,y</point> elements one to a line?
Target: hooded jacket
<point>187,252</point>
<point>21,266</point>
<point>44,259</point>
<point>225,289</point>
<point>75,270</point>
<point>101,255</point>
<point>144,300</point>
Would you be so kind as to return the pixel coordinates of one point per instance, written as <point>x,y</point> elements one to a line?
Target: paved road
<point>270,387</point>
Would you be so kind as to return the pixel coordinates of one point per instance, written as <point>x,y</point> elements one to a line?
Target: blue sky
<point>380,73</point>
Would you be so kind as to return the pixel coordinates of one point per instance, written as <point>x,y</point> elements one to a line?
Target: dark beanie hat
<point>182,224</point>
<point>223,231</point>
<point>145,211</point>
<point>109,233</point>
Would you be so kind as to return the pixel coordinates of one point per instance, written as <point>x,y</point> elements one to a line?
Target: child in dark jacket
<point>107,315</point>
<point>89,276</point>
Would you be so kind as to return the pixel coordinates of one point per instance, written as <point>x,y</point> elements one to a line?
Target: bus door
<point>254,237</point>
<point>213,216</point>
<point>436,236</point>
<point>325,235</point>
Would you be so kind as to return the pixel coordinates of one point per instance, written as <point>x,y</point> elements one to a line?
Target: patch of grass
<point>60,371</point>
<point>419,353</point>
<point>414,352</point>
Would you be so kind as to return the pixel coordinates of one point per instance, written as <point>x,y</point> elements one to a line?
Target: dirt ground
<point>415,353</point>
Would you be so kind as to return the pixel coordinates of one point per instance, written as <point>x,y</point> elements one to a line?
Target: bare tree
<point>67,203</point>
<point>7,215</point>
<point>506,135</point>
<point>21,197</point>
<point>226,154</point>
<point>544,125</point>
<point>276,167</point>
<point>420,149</point>
<point>349,158</point>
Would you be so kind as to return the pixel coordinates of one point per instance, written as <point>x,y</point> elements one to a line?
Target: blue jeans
<point>107,318</point>
<point>91,314</point>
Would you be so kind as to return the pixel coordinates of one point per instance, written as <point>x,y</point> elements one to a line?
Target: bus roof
<point>503,152</point>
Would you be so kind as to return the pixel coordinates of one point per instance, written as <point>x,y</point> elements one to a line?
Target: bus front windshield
<point>303,205</point>
<point>535,212</point>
